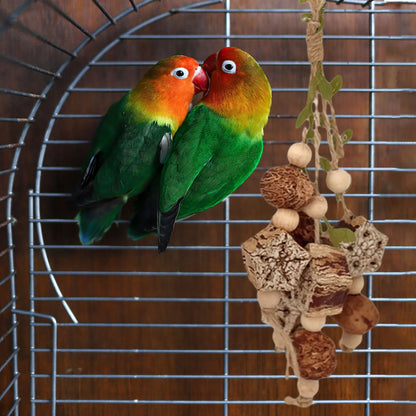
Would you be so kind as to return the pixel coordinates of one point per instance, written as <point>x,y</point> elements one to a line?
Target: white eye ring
<point>180,73</point>
<point>229,67</point>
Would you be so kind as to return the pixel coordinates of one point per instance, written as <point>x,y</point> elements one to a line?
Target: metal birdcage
<point>117,329</point>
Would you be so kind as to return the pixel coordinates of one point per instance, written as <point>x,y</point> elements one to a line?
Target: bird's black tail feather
<point>165,223</point>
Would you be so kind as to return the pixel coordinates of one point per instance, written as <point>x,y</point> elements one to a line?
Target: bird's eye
<point>180,73</point>
<point>229,67</point>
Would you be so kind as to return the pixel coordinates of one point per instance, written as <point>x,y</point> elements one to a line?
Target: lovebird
<point>132,142</point>
<point>220,142</point>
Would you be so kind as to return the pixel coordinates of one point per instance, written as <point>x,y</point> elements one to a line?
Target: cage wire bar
<point>38,244</point>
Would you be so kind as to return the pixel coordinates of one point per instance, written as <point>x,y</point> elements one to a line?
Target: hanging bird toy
<point>304,268</point>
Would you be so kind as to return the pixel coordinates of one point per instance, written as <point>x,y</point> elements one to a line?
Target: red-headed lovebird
<point>132,142</point>
<point>220,142</point>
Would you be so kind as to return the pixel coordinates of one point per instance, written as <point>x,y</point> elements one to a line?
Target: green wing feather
<point>192,149</point>
<point>111,172</point>
<point>121,173</point>
<point>208,162</point>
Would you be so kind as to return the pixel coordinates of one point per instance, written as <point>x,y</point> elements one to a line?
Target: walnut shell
<point>358,316</point>
<point>315,353</point>
<point>286,187</point>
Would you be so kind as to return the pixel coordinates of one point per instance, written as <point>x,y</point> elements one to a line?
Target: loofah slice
<point>273,260</point>
<point>365,254</point>
<point>286,187</point>
<point>325,282</point>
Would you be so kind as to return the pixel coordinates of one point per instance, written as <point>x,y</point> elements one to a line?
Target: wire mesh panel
<point>116,328</point>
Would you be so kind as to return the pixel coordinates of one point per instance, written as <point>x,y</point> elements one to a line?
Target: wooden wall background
<point>183,324</point>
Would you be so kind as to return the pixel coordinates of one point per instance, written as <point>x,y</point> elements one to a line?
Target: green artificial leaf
<point>325,164</point>
<point>304,115</point>
<point>314,82</point>
<point>336,84</point>
<point>302,1</point>
<point>313,86</point>
<point>346,135</point>
<point>306,17</point>
<point>310,134</point>
<point>325,88</point>
<point>340,235</point>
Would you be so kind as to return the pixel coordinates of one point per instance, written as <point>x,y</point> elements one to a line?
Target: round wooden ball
<point>338,181</point>
<point>285,218</point>
<point>299,154</point>
<point>317,207</point>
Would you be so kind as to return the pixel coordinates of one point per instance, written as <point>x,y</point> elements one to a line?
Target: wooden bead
<point>357,285</point>
<point>338,181</point>
<point>313,324</point>
<point>268,299</point>
<point>285,218</point>
<point>316,208</point>
<point>308,388</point>
<point>349,342</point>
<point>299,154</point>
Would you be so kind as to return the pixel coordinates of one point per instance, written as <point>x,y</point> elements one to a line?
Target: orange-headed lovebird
<point>220,142</point>
<point>133,140</point>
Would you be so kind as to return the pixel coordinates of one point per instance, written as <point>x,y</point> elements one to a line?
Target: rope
<point>321,106</point>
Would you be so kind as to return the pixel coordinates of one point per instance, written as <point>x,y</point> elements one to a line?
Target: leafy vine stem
<point>319,112</point>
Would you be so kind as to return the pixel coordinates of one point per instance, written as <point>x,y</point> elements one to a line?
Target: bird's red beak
<point>210,64</point>
<point>200,80</point>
